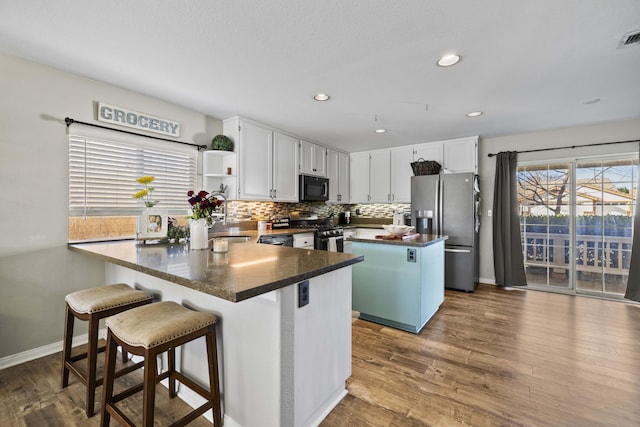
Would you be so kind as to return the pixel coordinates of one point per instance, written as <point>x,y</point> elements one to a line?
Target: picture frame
<point>152,224</point>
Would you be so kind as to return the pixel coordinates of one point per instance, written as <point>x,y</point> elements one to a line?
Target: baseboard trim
<point>36,353</point>
<point>486,281</point>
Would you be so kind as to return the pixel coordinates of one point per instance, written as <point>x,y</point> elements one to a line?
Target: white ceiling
<point>528,65</point>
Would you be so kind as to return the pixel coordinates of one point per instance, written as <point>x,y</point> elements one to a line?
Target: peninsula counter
<point>281,364</point>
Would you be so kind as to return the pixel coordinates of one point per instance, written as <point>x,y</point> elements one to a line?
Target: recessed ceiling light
<point>449,60</point>
<point>381,130</point>
<point>474,114</point>
<point>322,97</point>
<point>591,101</point>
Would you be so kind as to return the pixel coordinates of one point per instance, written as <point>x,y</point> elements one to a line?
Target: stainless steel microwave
<point>313,189</point>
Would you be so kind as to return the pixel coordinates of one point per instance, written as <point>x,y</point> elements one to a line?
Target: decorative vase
<point>199,232</point>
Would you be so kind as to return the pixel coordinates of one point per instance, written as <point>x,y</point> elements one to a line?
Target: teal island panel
<point>398,286</point>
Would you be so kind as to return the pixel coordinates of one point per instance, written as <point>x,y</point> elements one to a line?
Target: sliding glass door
<point>545,223</point>
<point>576,223</point>
<point>604,203</point>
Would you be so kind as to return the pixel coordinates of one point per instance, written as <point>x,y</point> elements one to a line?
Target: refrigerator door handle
<point>459,251</point>
<point>440,227</point>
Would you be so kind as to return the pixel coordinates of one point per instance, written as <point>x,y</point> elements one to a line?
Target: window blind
<point>103,172</point>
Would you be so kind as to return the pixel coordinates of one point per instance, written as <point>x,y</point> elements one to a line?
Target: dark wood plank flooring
<point>492,358</point>
<point>499,358</point>
<point>31,396</point>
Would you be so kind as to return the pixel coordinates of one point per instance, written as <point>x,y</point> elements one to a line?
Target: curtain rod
<point>572,146</point>
<point>69,121</point>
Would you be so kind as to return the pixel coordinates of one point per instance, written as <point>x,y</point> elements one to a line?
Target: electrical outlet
<point>411,255</point>
<point>303,293</point>
<point>489,213</point>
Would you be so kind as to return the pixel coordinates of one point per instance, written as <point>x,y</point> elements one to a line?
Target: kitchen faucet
<point>218,194</point>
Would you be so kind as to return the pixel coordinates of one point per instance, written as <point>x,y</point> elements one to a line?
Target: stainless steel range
<point>327,237</point>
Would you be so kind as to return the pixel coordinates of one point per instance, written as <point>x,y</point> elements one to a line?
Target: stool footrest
<point>120,416</point>
<point>193,415</point>
<point>192,385</point>
<point>126,393</point>
<point>77,372</point>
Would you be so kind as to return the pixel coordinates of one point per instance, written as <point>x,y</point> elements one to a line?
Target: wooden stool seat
<point>149,331</point>
<point>92,305</point>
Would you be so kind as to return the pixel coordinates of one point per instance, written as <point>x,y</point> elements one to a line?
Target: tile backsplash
<point>266,210</point>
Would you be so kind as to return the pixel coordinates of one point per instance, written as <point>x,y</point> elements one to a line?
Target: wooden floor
<point>31,395</point>
<point>492,358</point>
<point>499,358</point>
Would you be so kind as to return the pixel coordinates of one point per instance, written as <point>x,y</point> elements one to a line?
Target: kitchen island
<point>401,282</point>
<point>281,364</point>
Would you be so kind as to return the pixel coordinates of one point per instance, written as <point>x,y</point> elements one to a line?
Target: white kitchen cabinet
<point>345,175</point>
<point>338,174</point>
<point>359,177</point>
<point>255,161</point>
<point>285,181</point>
<point>460,155</point>
<point>401,173</point>
<point>267,161</point>
<point>313,159</point>
<point>303,240</point>
<point>379,173</point>
<point>428,151</point>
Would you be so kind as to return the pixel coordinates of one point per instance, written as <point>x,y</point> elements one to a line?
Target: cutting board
<point>398,236</point>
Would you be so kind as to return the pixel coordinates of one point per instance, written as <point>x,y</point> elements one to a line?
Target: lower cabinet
<point>396,287</point>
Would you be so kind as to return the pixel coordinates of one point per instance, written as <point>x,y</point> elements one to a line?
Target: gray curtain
<point>507,248</point>
<point>633,282</point>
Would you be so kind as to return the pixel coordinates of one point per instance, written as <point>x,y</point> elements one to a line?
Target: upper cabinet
<point>384,176</point>
<point>379,172</point>
<point>285,181</point>
<point>401,172</point>
<point>460,155</point>
<point>267,161</point>
<point>359,178</point>
<point>429,151</point>
<point>313,159</point>
<point>338,174</point>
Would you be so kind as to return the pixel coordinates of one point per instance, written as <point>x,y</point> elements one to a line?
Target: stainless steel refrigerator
<point>452,200</point>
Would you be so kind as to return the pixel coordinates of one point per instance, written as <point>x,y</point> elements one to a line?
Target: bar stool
<point>92,305</point>
<point>149,331</point>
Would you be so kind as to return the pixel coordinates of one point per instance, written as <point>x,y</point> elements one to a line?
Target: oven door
<point>326,243</point>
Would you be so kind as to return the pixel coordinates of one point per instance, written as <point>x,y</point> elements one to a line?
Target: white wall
<point>581,135</point>
<point>36,269</point>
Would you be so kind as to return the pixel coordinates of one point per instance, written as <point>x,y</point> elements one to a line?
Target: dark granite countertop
<point>247,270</point>
<point>420,241</point>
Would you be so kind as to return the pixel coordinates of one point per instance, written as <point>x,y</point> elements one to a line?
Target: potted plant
<point>222,143</point>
